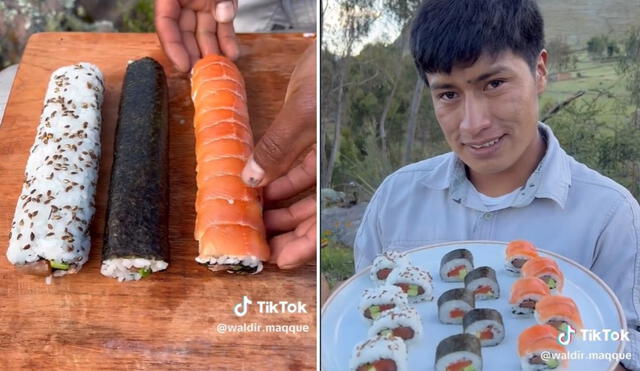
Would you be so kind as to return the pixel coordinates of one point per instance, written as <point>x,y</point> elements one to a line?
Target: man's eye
<point>448,95</point>
<point>495,83</point>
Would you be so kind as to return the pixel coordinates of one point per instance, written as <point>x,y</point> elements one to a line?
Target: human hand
<point>292,133</point>
<point>190,29</point>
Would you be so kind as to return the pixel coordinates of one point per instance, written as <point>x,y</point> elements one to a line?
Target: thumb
<point>292,133</point>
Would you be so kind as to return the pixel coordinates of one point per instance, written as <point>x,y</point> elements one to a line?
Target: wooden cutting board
<point>170,319</point>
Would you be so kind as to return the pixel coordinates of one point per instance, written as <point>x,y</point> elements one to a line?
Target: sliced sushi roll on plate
<point>483,283</point>
<point>485,324</point>
<point>403,322</point>
<point>50,232</point>
<point>385,263</point>
<point>379,353</point>
<point>525,293</point>
<point>460,352</point>
<point>558,311</point>
<point>538,349</point>
<point>455,265</point>
<point>518,252</point>
<point>547,270</point>
<point>377,300</point>
<point>414,281</point>
<point>454,304</point>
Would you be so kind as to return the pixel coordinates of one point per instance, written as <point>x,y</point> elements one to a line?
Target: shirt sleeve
<point>368,242</point>
<point>617,263</point>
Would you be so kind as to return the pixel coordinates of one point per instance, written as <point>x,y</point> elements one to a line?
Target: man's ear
<point>541,71</point>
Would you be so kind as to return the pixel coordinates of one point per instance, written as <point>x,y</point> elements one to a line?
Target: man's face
<point>489,111</point>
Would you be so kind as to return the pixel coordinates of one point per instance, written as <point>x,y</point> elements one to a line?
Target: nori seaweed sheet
<point>458,343</point>
<point>480,314</point>
<point>137,210</point>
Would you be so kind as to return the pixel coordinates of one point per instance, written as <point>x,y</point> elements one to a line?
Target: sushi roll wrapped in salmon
<point>518,252</point>
<point>455,265</point>
<point>385,263</point>
<point>380,353</point>
<point>539,349</point>
<point>547,270</point>
<point>377,300</point>
<point>460,352</point>
<point>485,324</point>
<point>403,322</point>
<point>525,293</point>
<point>558,311</point>
<point>483,283</point>
<point>454,304</point>
<point>415,282</point>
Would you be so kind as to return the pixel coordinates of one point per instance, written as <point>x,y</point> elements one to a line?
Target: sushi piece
<point>229,227</point>
<point>485,324</point>
<point>403,322</point>
<point>415,282</point>
<point>483,283</point>
<point>461,352</point>
<point>380,353</point>
<point>377,300</point>
<point>454,304</point>
<point>136,239</point>
<point>383,265</point>
<point>558,311</point>
<point>539,349</point>
<point>455,265</point>
<point>547,270</point>
<point>518,252</point>
<point>49,235</point>
<point>525,293</point>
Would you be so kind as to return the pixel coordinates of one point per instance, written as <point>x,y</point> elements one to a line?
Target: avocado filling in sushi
<point>550,282</point>
<point>58,265</point>
<point>411,289</point>
<point>537,360</point>
<point>374,311</point>
<point>380,365</point>
<point>459,271</point>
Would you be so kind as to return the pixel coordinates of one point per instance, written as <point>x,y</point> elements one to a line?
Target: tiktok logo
<point>564,338</point>
<point>241,309</point>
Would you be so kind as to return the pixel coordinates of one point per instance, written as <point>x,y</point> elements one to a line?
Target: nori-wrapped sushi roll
<point>486,324</point>
<point>459,352</point>
<point>136,233</point>
<point>483,283</point>
<point>453,304</point>
<point>455,265</point>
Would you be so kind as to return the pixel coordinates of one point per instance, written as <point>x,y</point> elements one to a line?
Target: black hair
<point>446,33</point>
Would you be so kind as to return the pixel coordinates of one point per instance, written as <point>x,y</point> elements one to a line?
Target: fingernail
<point>225,11</point>
<point>252,174</point>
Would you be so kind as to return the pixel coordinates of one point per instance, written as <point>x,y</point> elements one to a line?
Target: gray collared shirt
<point>564,206</point>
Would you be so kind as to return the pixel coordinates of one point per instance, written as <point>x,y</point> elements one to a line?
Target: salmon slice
<point>221,212</point>
<point>521,247</point>
<point>558,307</point>
<point>536,334</point>
<point>220,148</point>
<point>528,286</point>
<point>229,225</point>
<point>541,266</point>
<point>233,240</point>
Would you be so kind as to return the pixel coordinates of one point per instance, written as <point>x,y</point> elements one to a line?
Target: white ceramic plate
<point>343,326</point>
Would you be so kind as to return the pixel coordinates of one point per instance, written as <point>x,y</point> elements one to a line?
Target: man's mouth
<point>486,144</point>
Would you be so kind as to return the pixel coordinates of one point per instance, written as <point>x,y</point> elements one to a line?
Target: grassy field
<point>337,264</point>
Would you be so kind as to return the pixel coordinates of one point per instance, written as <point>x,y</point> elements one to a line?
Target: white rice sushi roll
<point>454,304</point>
<point>50,231</point>
<point>483,283</point>
<point>455,265</point>
<point>377,300</point>
<point>459,352</point>
<point>379,353</point>
<point>383,265</point>
<point>404,323</point>
<point>486,324</point>
<point>415,282</point>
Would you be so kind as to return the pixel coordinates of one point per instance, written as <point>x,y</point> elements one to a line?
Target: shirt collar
<point>551,179</point>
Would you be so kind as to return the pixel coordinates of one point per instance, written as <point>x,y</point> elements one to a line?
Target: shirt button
<point>487,216</point>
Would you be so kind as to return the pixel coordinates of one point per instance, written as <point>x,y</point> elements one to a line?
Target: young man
<point>507,177</point>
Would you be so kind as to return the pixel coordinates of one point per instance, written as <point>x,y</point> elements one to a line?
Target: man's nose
<point>475,117</point>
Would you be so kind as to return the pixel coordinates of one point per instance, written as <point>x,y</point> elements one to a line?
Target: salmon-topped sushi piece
<point>547,270</point>
<point>525,293</point>
<point>558,311</point>
<point>517,253</point>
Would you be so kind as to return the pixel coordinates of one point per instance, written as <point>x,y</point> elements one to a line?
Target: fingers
<point>295,181</point>
<point>167,15</point>
<point>295,248</point>
<point>288,218</point>
<point>206,34</point>
<point>225,10</point>
<point>227,40</point>
<point>187,24</point>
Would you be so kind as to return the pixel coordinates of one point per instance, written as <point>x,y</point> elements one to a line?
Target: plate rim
<point>607,289</point>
